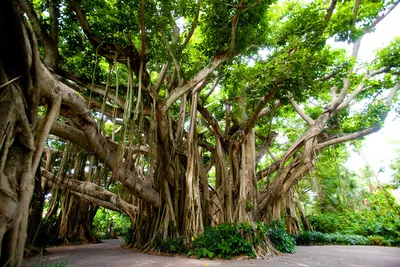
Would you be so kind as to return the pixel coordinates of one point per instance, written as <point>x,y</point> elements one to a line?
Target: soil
<point>109,253</point>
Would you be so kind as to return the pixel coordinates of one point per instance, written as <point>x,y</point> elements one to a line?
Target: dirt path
<point>109,253</point>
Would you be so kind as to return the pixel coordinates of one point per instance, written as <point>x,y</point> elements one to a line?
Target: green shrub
<point>282,241</point>
<point>378,240</point>
<point>311,238</point>
<point>393,242</point>
<point>318,238</point>
<point>127,235</point>
<point>227,240</point>
<point>381,217</point>
<point>171,245</point>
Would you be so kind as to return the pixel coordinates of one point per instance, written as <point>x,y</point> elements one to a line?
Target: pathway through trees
<point>109,253</point>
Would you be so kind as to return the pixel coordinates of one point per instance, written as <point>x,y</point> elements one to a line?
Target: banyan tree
<point>201,112</point>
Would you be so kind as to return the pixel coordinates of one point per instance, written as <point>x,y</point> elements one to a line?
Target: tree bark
<point>18,108</point>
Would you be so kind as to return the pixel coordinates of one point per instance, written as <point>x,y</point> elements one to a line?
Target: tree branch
<point>211,90</point>
<point>328,77</point>
<point>92,192</point>
<point>265,147</point>
<point>194,25</point>
<point>82,85</point>
<point>77,110</point>
<point>36,25</point>
<point>299,111</point>
<point>189,85</point>
<point>161,78</point>
<point>50,43</point>
<point>330,11</point>
<point>108,50</point>
<point>266,111</point>
<point>353,136</point>
<point>342,103</point>
<point>392,93</point>
<point>172,55</point>
<point>355,11</point>
<point>235,22</point>
<point>210,119</point>
<point>251,121</point>
<point>143,28</point>
<point>348,137</point>
<point>70,133</point>
<point>380,18</point>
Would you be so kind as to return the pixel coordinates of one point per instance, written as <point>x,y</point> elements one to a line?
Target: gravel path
<point>109,253</point>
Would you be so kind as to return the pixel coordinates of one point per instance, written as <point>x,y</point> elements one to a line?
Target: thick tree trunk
<point>76,221</point>
<point>221,197</point>
<point>292,221</point>
<point>35,216</point>
<point>193,215</point>
<point>248,193</point>
<point>18,108</point>
<point>288,175</point>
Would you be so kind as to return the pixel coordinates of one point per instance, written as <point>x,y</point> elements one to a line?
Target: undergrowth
<point>228,240</point>
<point>378,222</point>
<point>318,238</point>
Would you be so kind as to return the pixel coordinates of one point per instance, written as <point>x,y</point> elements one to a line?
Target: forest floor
<point>109,253</point>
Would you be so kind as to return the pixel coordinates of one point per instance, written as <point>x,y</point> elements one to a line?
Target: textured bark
<point>306,224</point>
<point>193,219</point>
<point>77,110</point>
<point>292,221</point>
<point>92,192</point>
<point>247,204</point>
<point>76,220</point>
<point>18,107</point>
<point>32,247</point>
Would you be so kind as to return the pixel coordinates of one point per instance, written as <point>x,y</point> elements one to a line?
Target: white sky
<point>377,149</point>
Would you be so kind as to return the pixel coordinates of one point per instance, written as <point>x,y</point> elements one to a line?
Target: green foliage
<point>381,217</point>
<point>282,241</point>
<point>171,245</point>
<point>318,238</point>
<point>249,205</point>
<point>48,233</point>
<point>342,26</point>
<point>389,57</point>
<point>378,240</point>
<point>216,24</point>
<point>227,240</point>
<point>395,166</point>
<point>120,224</point>
<point>224,241</point>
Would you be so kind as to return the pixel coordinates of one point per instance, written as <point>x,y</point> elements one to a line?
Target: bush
<point>377,240</point>
<point>282,241</point>
<point>227,240</point>
<point>171,245</point>
<point>379,219</point>
<point>318,238</point>
<point>231,239</point>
